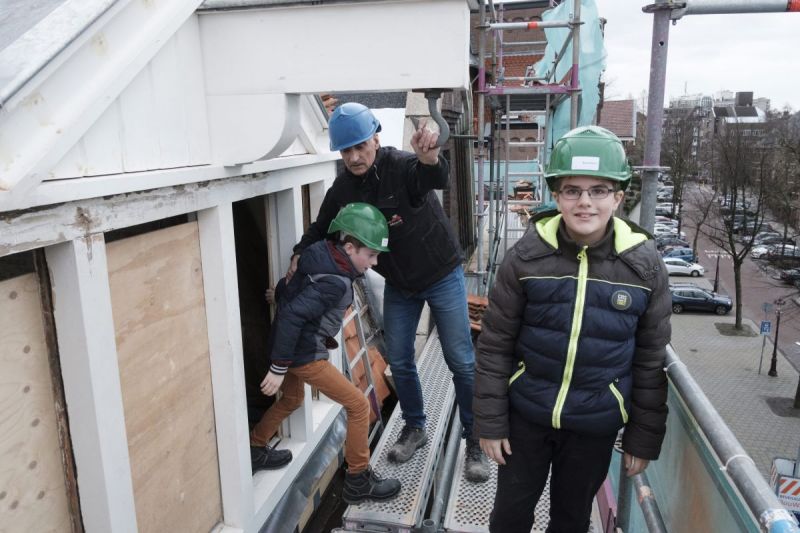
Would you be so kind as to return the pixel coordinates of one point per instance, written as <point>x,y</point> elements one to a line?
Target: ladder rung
<point>526,143</point>
<point>359,356</point>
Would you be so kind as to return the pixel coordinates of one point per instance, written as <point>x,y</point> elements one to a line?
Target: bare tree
<point>742,167</point>
<point>676,152</point>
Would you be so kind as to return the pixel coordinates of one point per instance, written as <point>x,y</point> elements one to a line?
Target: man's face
<point>362,258</point>
<point>359,158</point>
<point>586,218</point>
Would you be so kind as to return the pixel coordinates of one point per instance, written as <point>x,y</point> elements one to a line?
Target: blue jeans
<point>447,299</point>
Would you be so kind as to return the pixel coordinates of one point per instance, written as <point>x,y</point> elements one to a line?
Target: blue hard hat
<point>351,124</point>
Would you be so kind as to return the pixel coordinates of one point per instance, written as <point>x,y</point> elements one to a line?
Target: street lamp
<point>773,365</point>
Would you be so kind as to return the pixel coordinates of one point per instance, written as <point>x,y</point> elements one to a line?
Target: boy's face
<point>586,218</point>
<point>362,258</point>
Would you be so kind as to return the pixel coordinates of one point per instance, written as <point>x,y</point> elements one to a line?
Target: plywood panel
<point>32,489</point>
<point>159,317</point>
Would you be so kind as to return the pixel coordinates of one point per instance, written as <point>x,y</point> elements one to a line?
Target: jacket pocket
<point>618,395</point>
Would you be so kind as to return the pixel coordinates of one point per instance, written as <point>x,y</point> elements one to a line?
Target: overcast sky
<point>707,53</point>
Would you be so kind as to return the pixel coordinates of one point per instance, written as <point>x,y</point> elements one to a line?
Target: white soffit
<point>366,46</point>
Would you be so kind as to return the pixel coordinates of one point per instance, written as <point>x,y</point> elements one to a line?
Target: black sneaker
<point>267,458</point>
<point>476,464</point>
<point>367,485</point>
<point>410,440</point>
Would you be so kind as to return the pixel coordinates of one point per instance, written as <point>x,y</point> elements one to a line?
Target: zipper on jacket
<point>618,395</point>
<point>574,336</point>
<point>518,373</point>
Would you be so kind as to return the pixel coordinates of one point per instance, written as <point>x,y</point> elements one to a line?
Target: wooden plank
<point>168,105</point>
<point>88,353</point>
<point>57,382</point>
<point>32,495</point>
<point>27,230</point>
<point>158,305</point>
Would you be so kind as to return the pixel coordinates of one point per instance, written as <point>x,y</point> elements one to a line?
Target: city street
<point>758,288</point>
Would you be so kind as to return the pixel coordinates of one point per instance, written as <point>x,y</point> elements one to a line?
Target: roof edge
<point>32,51</point>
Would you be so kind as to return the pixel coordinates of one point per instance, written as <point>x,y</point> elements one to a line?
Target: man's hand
<point>423,141</point>
<point>292,267</point>
<point>494,448</point>
<point>635,465</point>
<point>271,384</point>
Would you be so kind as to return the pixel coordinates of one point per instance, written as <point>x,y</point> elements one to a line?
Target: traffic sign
<point>766,327</point>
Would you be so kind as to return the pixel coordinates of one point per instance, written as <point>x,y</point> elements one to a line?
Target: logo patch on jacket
<point>396,220</point>
<point>621,300</point>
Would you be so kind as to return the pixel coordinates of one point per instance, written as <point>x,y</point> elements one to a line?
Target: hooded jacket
<point>575,337</point>
<point>311,306</point>
<point>423,246</point>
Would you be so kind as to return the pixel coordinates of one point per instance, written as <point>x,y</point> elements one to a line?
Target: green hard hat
<point>365,223</point>
<point>589,151</point>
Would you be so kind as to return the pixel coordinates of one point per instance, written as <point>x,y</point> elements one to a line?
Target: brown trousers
<point>325,377</point>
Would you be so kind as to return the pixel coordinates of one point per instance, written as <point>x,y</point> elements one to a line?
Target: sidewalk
<point>757,408</point>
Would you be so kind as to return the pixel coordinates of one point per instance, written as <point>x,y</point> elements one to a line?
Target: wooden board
<point>32,489</point>
<point>157,299</point>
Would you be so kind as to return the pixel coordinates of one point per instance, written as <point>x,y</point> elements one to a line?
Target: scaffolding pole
<point>481,135</point>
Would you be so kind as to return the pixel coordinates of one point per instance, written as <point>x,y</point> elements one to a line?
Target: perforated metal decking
<point>405,512</point>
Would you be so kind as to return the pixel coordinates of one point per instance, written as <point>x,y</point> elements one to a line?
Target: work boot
<point>476,465</point>
<point>266,458</point>
<point>367,485</point>
<point>410,440</point>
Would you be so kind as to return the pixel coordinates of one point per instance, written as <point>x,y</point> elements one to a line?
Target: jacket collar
<point>624,241</point>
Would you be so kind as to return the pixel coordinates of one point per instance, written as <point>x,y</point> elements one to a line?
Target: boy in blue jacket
<point>573,344</point>
<point>311,308</point>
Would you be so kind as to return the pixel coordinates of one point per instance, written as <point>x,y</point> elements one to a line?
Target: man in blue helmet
<point>424,264</point>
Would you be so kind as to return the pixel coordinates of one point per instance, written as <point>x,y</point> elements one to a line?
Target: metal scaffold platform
<point>406,511</point>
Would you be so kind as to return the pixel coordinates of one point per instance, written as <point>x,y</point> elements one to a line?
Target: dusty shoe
<point>476,465</point>
<point>267,458</point>
<point>410,440</point>
<point>367,485</point>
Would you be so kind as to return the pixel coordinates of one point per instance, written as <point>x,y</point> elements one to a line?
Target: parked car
<point>767,241</point>
<point>785,250</point>
<point>760,252</point>
<point>679,266</point>
<point>685,298</point>
<point>790,276</point>
<point>662,241</point>
<point>664,218</point>
<point>764,235</point>
<point>687,254</point>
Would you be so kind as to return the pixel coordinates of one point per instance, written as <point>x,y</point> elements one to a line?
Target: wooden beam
<point>88,350</point>
<point>27,230</point>
<point>218,253</point>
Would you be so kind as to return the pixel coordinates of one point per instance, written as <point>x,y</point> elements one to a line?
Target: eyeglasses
<point>598,192</point>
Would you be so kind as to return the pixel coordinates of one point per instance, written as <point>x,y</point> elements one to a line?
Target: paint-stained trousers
<point>332,383</point>
<point>579,465</point>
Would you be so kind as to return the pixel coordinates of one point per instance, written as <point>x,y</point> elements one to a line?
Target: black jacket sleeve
<point>646,427</point>
<point>494,361</point>
<point>309,305</point>
<point>424,178</point>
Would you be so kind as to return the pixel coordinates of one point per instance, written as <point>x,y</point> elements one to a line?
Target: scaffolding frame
<point>550,92</point>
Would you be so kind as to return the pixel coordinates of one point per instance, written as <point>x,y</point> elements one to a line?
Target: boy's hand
<point>292,267</point>
<point>271,384</point>
<point>269,296</point>
<point>635,465</point>
<point>423,141</point>
<point>494,448</point>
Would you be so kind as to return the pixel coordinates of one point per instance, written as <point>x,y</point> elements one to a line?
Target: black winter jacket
<point>576,338</point>
<point>423,245</point>
<point>311,307</point>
